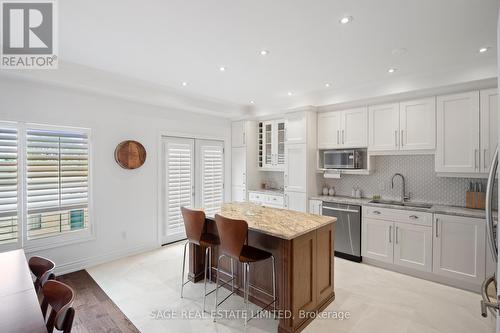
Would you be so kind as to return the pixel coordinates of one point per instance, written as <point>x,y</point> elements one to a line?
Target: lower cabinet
<point>377,240</point>
<point>315,206</point>
<point>460,248</point>
<point>397,241</point>
<point>413,246</point>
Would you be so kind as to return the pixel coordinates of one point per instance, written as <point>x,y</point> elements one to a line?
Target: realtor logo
<point>28,35</point>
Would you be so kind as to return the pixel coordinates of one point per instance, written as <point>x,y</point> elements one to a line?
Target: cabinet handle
<point>376,212</point>
<point>343,137</point>
<point>390,234</point>
<point>337,136</point>
<point>485,164</point>
<point>395,138</point>
<point>402,138</point>
<point>397,228</point>
<point>475,159</point>
<point>244,137</point>
<point>413,217</point>
<point>437,221</point>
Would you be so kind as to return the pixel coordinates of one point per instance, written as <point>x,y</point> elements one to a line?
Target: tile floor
<point>377,300</point>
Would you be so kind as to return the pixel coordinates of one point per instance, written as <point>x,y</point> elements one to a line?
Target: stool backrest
<point>232,234</point>
<point>60,297</point>
<point>41,268</point>
<point>194,222</point>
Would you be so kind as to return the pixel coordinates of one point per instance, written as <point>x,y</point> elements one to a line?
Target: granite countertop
<point>274,191</point>
<point>435,209</point>
<point>281,223</point>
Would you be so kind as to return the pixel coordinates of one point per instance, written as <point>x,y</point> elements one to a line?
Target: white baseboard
<point>84,263</point>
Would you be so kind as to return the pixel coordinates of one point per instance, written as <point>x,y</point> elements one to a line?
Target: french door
<point>193,177</point>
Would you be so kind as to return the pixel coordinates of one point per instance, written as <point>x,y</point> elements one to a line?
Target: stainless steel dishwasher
<point>347,229</point>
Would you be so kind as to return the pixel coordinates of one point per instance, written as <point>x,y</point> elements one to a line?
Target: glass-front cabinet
<point>273,144</point>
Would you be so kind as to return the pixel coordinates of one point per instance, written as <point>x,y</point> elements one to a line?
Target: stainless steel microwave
<point>343,159</point>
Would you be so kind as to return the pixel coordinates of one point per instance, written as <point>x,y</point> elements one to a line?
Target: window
<point>51,178</point>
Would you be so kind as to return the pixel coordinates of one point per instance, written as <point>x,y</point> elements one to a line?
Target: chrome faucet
<point>404,197</point>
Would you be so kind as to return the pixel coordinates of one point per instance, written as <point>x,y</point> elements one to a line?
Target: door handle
<point>437,221</point>
<point>390,234</point>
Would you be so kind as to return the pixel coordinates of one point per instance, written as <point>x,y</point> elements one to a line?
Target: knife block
<point>475,200</point>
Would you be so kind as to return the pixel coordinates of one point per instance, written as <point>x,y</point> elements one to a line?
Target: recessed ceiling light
<point>392,70</point>
<point>327,85</point>
<point>222,68</point>
<point>346,19</point>
<point>289,93</point>
<point>184,83</point>
<point>264,52</point>
<point>252,102</point>
<point>484,49</point>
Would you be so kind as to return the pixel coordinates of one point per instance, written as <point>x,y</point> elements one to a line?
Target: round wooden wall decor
<point>130,154</point>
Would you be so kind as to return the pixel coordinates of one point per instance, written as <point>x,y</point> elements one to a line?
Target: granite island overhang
<point>302,244</point>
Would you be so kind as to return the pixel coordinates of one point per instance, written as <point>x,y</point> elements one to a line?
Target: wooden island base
<point>304,272</point>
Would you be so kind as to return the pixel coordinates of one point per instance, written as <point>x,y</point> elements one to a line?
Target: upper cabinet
<point>295,127</point>
<point>458,148</point>
<point>488,116</point>
<point>273,144</point>
<point>343,129</point>
<point>238,133</point>
<point>417,124</point>
<point>403,127</point>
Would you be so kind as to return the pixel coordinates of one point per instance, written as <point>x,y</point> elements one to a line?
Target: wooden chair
<point>194,222</point>
<point>60,297</point>
<point>42,269</point>
<point>233,236</point>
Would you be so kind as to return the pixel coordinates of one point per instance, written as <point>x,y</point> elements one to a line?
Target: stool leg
<point>205,278</point>
<point>247,290</point>
<point>183,267</point>
<point>210,265</point>
<point>244,282</point>
<point>232,275</point>
<point>274,283</point>
<point>217,287</point>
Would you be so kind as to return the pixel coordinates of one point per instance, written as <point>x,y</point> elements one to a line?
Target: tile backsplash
<point>421,181</point>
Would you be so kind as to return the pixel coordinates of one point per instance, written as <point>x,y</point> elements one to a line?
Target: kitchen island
<point>303,247</point>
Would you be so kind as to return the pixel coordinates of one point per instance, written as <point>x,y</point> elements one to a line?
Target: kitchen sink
<point>403,204</point>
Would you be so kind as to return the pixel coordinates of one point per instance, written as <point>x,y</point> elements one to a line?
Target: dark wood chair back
<point>60,297</point>
<point>42,269</point>
<point>194,222</point>
<point>232,234</point>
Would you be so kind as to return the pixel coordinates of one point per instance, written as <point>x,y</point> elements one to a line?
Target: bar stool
<point>42,269</point>
<point>233,236</point>
<point>60,297</point>
<point>194,222</point>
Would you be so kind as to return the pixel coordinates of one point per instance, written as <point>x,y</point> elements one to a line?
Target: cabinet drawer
<point>256,197</point>
<point>274,200</point>
<point>399,215</point>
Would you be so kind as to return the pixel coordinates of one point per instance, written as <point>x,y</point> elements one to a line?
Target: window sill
<point>56,241</point>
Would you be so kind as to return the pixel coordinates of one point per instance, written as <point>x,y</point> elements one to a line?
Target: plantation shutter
<point>57,165</point>
<point>212,176</point>
<point>180,182</point>
<point>8,185</point>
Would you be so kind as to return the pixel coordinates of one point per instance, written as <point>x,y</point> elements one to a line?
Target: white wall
<point>125,210</point>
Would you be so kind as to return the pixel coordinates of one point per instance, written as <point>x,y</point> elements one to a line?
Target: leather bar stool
<point>233,236</point>
<point>194,222</point>
<point>60,297</point>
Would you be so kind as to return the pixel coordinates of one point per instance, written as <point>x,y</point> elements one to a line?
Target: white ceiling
<point>166,42</point>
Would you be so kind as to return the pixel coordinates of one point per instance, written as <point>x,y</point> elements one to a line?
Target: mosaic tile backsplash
<point>421,181</point>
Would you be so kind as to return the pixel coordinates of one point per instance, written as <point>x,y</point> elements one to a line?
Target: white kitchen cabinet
<point>377,240</point>
<point>239,193</point>
<point>296,168</point>
<point>459,248</point>
<point>238,166</point>
<point>238,133</point>
<point>457,148</point>
<point>413,246</point>
<point>383,130</point>
<point>315,207</point>
<point>343,129</point>
<point>488,126</point>
<point>417,124</point>
<point>296,201</point>
<point>266,199</point>
<point>273,144</point>
<point>295,127</point>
